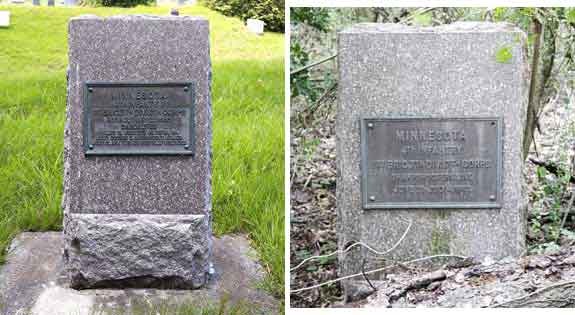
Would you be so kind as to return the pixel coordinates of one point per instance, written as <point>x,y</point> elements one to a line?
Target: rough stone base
<point>138,251</point>
<point>33,281</point>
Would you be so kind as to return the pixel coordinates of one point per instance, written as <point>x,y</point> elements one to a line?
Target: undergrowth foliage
<point>549,224</point>
<point>552,188</point>
<point>300,83</point>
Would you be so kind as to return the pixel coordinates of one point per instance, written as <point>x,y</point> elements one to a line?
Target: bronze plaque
<point>431,162</point>
<point>139,118</point>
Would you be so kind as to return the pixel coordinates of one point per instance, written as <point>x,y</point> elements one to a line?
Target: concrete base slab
<point>33,282</point>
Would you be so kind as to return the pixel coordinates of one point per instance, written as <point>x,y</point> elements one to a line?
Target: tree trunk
<point>534,88</point>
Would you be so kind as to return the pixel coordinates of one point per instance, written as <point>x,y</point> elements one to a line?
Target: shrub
<point>269,11</point>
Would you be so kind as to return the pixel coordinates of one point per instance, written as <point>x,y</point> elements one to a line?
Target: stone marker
<point>36,2</point>
<point>4,18</point>
<point>429,132</point>
<point>137,156</point>
<point>255,26</point>
<point>51,3</point>
<point>175,2</point>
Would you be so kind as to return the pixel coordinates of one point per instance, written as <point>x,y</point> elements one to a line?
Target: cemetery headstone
<point>137,156</point>
<point>51,3</point>
<point>175,2</point>
<point>255,26</point>
<point>429,132</point>
<point>4,18</point>
<point>36,2</point>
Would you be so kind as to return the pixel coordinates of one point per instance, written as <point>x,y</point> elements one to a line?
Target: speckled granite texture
<point>448,71</point>
<point>138,49</point>
<point>141,250</point>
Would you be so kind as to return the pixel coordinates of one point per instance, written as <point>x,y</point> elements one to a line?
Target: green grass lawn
<point>247,98</point>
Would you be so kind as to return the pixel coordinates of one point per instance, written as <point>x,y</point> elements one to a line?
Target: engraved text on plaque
<point>138,118</point>
<point>431,163</point>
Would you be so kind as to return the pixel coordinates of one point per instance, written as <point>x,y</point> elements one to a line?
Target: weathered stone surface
<point>32,280</point>
<point>29,260</point>
<point>125,245</point>
<point>389,70</point>
<point>123,250</point>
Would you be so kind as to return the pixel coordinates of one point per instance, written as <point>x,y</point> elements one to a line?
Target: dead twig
<point>365,276</point>
<point>426,279</point>
<point>315,106</point>
<point>415,13</point>
<point>376,271</point>
<point>309,111</point>
<point>570,206</point>
<point>520,299</point>
<point>307,180</point>
<point>348,248</point>
<point>313,64</point>
<point>423,281</point>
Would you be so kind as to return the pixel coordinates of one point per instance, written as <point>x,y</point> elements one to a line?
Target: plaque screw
<point>187,147</point>
<point>372,198</point>
<point>492,197</point>
<point>91,146</point>
<point>370,125</point>
<point>90,90</point>
<point>185,88</point>
<point>492,123</point>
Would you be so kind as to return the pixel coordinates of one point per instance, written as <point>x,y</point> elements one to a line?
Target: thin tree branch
<point>313,64</point>
<point>544,289</point>
<point>377,270</point>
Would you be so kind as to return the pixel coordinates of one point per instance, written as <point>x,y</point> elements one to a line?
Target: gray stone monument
<point>36,2</point>
<point>51,3</point>
<point>429,132</point>
<point>137,153</point>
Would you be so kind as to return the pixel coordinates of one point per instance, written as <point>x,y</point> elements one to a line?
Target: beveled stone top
<point>146,17</point>
<point>458,27</point>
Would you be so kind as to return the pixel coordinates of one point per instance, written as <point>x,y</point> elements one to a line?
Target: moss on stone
<point>439,241</point>
<point>504,55</point>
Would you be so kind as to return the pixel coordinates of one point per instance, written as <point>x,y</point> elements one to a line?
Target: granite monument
<point>137,153</point>
<point>429,132</point>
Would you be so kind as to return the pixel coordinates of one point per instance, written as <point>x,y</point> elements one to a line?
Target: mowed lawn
<point>248,127</point>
